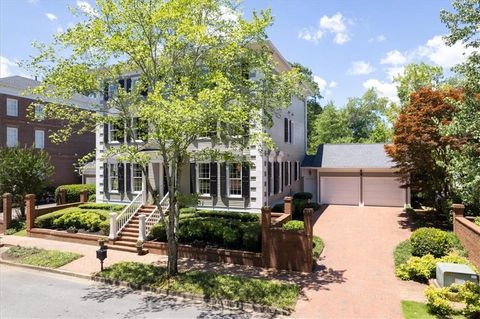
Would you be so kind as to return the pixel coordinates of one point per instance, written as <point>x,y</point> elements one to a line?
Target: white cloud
<point>379,38</point>
<point>59,29</point>
<point>51,16</point>
<point>384,89</point>
<point>394,57</point>
<point>6,67</point>
<point>86,8</point>
<point>324,85</point>
<point>336,25</point>
<point>394,71</point>
<point>361,67</point>
<point>443,55</point>
<point>310,35</point>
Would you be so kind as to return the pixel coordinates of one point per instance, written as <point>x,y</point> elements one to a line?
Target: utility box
<point>449,273</point>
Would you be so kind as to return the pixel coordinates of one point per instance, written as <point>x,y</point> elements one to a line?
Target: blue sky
<point>350,45</point>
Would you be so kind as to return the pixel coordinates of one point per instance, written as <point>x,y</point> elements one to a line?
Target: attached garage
<point>340,190</point>
<point>354,174</point>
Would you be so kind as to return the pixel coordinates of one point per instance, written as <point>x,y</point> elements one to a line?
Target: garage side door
<point>340,190</point>
<point>383,191</point>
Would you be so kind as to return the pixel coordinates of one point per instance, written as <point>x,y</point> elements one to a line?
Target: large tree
<point>193,59</point>
<point>419,150</point>
<point>464,26</point>
<point>23,171</point>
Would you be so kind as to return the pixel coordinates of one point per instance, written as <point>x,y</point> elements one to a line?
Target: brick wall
<point>468,233</point>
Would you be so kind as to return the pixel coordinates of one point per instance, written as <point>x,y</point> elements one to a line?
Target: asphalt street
<point>26,293</point>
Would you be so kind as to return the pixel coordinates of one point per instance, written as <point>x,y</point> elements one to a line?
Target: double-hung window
<point>39,112</point>
<point>235,179</point>
<point>12,136</point>
<point>12,107</point>
<point>136,178</point>
<point>39,139</point>
<point>113,178</point>
<point>115,132</point>
<point>204,178</point>
<point>288,130</point>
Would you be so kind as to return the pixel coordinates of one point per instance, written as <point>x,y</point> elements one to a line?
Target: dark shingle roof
<point>349,156</point>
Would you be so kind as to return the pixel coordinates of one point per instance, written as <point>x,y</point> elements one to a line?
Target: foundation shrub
<point>80,219</point>
<point>73,191</point>
<point>428,240</point>
<point>103,206</point>
<point>294,225</point>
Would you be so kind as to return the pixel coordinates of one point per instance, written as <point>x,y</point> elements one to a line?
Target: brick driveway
<point>355,277</point>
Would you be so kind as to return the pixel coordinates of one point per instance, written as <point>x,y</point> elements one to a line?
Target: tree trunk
<point>172,227</point>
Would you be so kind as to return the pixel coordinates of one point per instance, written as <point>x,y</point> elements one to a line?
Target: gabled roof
<point>349,156</point>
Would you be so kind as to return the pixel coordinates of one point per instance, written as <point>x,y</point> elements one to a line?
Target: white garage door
<point>340,190</point>
<point>382,191</point>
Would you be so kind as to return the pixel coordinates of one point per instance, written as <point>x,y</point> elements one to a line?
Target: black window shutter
<point>193,178</point>
<point>290,131</point>
<point>129,85</point>
<point>128,173</point>
<point>282,180</point>
<point>275,177</point>
<point>290,178</point>
<point>121,178</point>
<point>213,179</point>
<point>285,127</point>
<point>269,176</point>
<point>105,177</point>
<point>295,173</point>
<point>105,92</point>
<point>121,83</point>
<point>245,180</point>
<point>286,173</point>
<point>223,179</point>
<point>105,133</point>
<point>165,182</point>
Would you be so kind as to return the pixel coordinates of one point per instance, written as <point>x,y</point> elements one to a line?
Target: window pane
<point>137,178</point>
<point>235,171</point>
<point>235,179</point>
<point>204,178</point>
<point>12,136</point>
<point>39,139</point>
<point>12,107</point>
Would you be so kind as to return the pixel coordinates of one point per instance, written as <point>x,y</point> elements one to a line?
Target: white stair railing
<point>128,212</point>
<point>157,214</point>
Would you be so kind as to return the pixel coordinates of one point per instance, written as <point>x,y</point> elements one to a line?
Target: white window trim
<point>39,112</point>
<point>132,179</point>
<point>15,144</point>
<point>228,182</point>
<point>43,139</point>
<point>197,177</point>
<point>110,129</point>
<point>110,190</point>
<point>16,107</point>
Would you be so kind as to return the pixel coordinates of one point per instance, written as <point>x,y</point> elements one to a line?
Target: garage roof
<point>349,156</point>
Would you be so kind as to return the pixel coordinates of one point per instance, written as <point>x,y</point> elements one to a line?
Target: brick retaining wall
<point>468,233</point>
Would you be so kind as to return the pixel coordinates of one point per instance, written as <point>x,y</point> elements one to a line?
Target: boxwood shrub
<point>303,195</point>
<point>103,206</point>
<point>429,240</point>
<point>73,191</point>
<point>294,225</point>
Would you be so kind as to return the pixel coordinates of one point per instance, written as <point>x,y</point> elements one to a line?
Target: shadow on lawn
<point>155,303</point>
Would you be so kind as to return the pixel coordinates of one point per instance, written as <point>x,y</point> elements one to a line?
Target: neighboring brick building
<point>16,129</point>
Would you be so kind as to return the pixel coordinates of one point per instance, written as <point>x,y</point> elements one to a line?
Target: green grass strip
<point>258,291</point>
<point>41,257</point>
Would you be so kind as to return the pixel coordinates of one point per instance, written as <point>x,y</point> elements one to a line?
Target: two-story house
<point>18,129</point>
<point>220,185</point>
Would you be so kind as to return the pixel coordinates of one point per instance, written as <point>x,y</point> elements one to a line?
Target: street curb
<point>211,301</point>
<point>51,270</point>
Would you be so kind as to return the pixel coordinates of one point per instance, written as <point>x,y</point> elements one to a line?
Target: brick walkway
<point>355,277</point>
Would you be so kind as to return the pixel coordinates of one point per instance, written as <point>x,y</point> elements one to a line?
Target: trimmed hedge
<point>214,231</point>
<point>73,191</point>
<point>103,206</point>
<point>428,240</point>
<point>294,225</point>
<point>303,195</point>
<point>245,217</point>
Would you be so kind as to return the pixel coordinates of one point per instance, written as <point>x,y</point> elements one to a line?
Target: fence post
<point>62,196</point>
<point>83,196</point>
<point>308,224</point>
<point>141,228</point>
<point>113,226</point>
<point>30,211</point>
<point>7,209</point>
<point>458,211</point>
<point>266,223</point>
<point>288,209</point>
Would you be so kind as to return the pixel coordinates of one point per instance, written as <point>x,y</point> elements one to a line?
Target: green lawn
<point>258,291</point>
<point>402,252</point>
<point>40,257</point>
<point>419,310</point>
